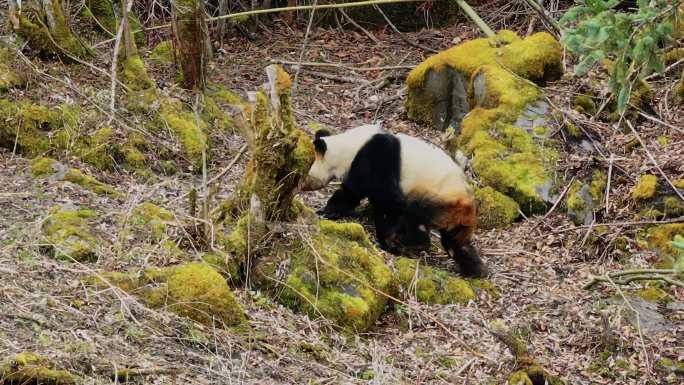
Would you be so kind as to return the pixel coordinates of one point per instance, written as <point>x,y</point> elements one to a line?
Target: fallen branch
<point>626,223</point>
<point>475,18</point>
<point>401,35</point>
<point>624,277</point>
<point>343,66</point>
<point>357,26</point>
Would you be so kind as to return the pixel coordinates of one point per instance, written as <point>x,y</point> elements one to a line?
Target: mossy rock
<point>67,234</point>
<point>533,375</point>
<point>495,209</point>
<point>151,219</point>
<point>431,285</point>
<point>441,82</point>
<point>585,197</point>
<point>194,290</point>
<point>30,368</point>
<point>48,167</point>
<point>482,88</point>
<point>332,270</point>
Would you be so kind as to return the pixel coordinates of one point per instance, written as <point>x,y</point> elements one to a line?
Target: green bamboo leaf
<point>623,98</point>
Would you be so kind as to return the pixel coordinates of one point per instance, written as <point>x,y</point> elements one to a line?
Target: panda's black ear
<point>321,133</point>
<point>320,146</point>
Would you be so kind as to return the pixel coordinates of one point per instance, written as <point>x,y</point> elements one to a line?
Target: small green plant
<point>678,244</point>
<point>594,30</point>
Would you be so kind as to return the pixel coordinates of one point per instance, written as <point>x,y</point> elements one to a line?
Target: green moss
<point>225,264</point>
<point>676,367</point>
<point>67,234</point>
<point>653,294</point>
<point>134,74</point>
<point>678,183</point>
<point>519,377</point>
<point>162,53</point>
<point>76,176</point>
<point>194,290</point>
<point>673,206</point>
<point>585,104</point>
<point>328,273</point>
<point>30,368</point>
<point>572,130</point>
<point>659,237</point>
<point>11,76</point>
<point>528,58</point>
<point>495,209</point>
<point>184,126</point>
<point>151,219</point>
<point>42,166</point>
<point>33,27</point>
<point>646,187</point>
<point>583,198</point>
<point>431,285</point>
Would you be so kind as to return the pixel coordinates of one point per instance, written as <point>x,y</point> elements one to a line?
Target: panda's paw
<point>327,214</point>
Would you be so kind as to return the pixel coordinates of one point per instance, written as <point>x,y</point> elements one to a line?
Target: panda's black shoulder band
<point>322,133</point>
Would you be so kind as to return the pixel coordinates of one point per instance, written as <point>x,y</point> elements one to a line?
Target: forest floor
<point>538,266</point>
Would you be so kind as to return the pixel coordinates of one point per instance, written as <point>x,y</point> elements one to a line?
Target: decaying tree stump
<point>46,28</point>
<point>190,33</point>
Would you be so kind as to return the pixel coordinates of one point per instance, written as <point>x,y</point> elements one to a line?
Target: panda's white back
<point>342,148</point>
<point>427,169</point>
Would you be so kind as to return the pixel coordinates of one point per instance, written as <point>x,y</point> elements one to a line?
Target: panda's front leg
<point>387,217</point>
<point>340,204</point>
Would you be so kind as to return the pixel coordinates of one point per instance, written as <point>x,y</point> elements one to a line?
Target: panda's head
<point>322,170</point>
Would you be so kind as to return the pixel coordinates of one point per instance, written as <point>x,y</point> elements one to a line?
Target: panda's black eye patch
<point>320,146</point>
<point>322,133</point>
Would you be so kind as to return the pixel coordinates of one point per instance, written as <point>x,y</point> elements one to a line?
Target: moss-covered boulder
<point>585,197</point>
<point>431,285</point>
<point>194,290</point>
<point>495,209</point>
<point>48,167</point>
<point>329,270</point>
<point>67,234</point>
<point>30,368</point>
<point>484,89</point>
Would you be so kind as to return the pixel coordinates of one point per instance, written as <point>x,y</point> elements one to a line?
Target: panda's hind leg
<point>341,204</point>
<point>457,244</point>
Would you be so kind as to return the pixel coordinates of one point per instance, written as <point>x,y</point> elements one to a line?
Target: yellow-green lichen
<point>653,294</point>
<point>583,198</point>
<point>495,209</point>
<point>194,290</point>
<point>673,206</point>
<point>646,187</point>
<point>431,285</point>
<point>585,104</point>
<point>678,183</point>
<point>225,264</point>
<point>30,368</point>
<point>519,377</point>
<point>67,235</point>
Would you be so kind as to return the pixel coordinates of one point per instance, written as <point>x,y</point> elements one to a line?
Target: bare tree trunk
<point>190,32</point>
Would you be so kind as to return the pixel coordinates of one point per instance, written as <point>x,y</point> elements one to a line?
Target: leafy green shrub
<point>594,30</point>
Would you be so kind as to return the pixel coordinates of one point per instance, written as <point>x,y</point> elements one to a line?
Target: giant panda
<point>412,186</point>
